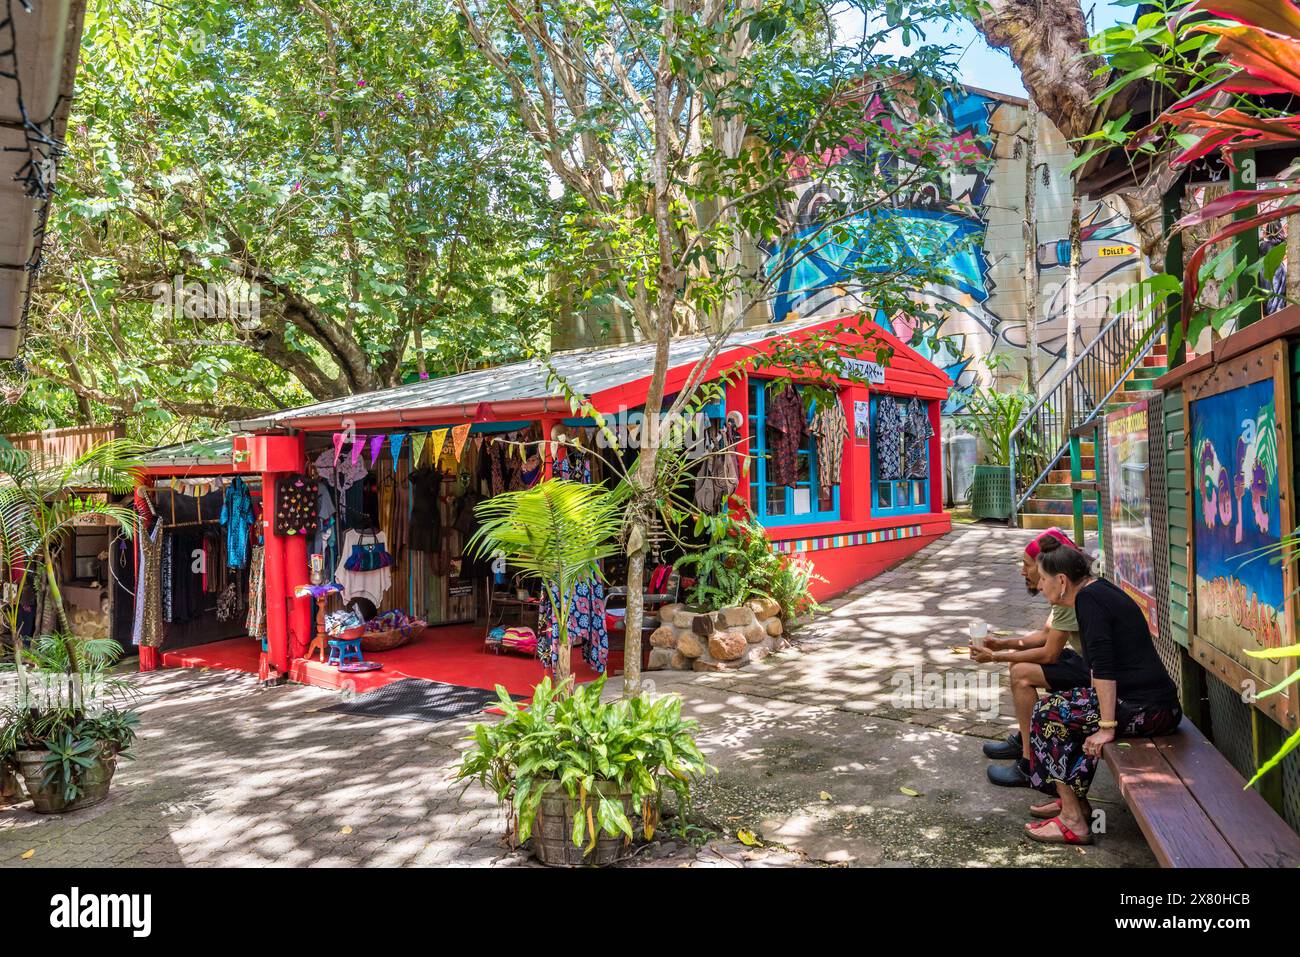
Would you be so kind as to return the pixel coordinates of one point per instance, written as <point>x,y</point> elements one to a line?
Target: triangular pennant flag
<point>417,446</point>
<point>478,442</point>
<point>439,439</point>
<point>338,445</point>
<point>395,446</point>
<point>459,435</point>
<point>376,443</point>
<point>355,454</point>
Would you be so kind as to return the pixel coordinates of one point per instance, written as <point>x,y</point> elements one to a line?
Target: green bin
<point>990,492</point>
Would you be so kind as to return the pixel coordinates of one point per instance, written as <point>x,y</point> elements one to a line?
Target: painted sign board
<point>1239,471</point>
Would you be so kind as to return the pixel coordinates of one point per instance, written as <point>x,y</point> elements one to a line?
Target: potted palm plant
<point>992,417</point>
<point>558,531</point>
<point>62,731</point>
<point>576,771</point>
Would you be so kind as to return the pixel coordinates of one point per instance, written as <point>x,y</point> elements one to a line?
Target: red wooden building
<point>874,516</point>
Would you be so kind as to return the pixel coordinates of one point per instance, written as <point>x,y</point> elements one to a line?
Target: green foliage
<point>992,416</point>
<point>595,750</point>
<point>558,531</point>
<point>739,563</point>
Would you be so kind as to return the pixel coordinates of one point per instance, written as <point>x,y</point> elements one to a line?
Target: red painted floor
<point>450,653</point>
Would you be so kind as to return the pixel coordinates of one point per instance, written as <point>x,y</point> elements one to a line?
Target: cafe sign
<point>872,372</point>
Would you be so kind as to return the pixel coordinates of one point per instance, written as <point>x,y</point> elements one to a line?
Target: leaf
<point>910,792</point>
<point>27,855</point>
<point>346,829</point>
<point>748,838</point>
<point>825,795</point>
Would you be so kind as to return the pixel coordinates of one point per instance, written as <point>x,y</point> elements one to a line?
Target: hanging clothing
<point>256,622</point>
<point>425,534</point>
<point>888,438</point>
<point>357,583</point>
<point>719,471</point>
<point>149,587</point>
<point>586,625</point>
<point>829,427</point>
<point>575,466</point>
<point>343,475</point>
<point>237,517</point>
<point>787,428</point>
<point>297,506</point>
<point>916,446</point>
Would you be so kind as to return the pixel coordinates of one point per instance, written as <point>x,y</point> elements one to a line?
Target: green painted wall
<point>1176,478</point>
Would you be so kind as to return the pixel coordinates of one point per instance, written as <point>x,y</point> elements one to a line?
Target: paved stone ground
<point>813,747</point>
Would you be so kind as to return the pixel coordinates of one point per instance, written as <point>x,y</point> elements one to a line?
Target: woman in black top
<point>1130,695</point>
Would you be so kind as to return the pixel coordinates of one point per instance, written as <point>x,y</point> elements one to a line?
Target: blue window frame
<point>802,503</point>
<point>896,496</point>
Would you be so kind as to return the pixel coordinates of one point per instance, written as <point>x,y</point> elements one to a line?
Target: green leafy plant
<point>558,531</point>
<point>992,416</point>
<point>739,563</point>
<point>597,751</point>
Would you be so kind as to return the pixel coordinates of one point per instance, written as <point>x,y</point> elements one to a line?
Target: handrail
<point>1088,383</point>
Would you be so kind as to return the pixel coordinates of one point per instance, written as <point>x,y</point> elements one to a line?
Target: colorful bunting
<point>357,445</point>
<point>417,446</point>
<point>459,434</point>
<point>439,437</point>
<point>376,443</point>
<point>395,446</point>
<point>338,445</point>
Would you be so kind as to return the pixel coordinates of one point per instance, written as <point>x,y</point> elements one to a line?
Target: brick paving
<point>813,749</point>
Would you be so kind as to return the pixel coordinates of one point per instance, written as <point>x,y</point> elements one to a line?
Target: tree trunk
<point>1072,296</point>
<point>1031,248</point>
<point>1048,43</point>
<point>1292,261</point>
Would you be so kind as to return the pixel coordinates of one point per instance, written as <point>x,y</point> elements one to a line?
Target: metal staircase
<point>1126,357</point>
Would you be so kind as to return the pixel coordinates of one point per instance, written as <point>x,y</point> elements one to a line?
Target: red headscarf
<point>1033,548</point>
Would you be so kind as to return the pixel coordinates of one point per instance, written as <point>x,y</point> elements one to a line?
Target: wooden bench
<point>1189,802</point>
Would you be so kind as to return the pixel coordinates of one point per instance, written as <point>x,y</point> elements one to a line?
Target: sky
<point>977,63</point>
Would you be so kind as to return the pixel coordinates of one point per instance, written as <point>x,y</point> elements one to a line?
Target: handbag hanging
<point>368,556</point>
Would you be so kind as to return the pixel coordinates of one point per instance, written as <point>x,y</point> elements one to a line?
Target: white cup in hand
<point>978,630</point>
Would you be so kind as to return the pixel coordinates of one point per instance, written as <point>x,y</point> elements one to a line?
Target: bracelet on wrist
<point>1108,725</point>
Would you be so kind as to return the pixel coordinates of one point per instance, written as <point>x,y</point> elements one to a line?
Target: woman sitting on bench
<point>1130,695</point>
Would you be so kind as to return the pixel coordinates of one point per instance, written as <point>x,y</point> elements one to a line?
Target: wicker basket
<point>377,641</point>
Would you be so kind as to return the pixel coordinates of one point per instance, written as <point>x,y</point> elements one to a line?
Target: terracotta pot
<point>553,830</point>
<point>48,799</point>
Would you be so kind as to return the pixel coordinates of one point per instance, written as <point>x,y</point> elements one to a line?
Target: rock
<point>774,626</point>
<point>708,664</point>
<point>737,617</point>
<point>763,608</point>
<point>758,652</point>
<point>680,662</point>
<point>727,645</point>
<point>703,625</point>
<point>666,612</point>
<point>689,645</point>
<point>663,637</point>
<point>755,632</point>
<point>682,619</point>
<point>660,658</point>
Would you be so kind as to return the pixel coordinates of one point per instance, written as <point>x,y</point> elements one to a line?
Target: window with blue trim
<point>896,488</point>
<point>780,504</point>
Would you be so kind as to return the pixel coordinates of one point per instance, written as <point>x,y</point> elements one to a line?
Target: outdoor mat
<point>418,699</point>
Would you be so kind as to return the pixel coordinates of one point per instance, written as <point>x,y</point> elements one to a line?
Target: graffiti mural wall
<point>980,220</point>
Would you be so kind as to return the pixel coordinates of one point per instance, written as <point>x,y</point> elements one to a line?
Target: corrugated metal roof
<point>199,452</point>
<point>588,371</point>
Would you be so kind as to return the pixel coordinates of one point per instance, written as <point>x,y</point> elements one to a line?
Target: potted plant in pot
<point>65,736</point>
<point>576,771</point>
<point>992,417</point>
<point>62,731</point>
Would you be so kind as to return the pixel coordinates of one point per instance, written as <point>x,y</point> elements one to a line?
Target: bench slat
<point>1247,822</point>
<point>1174,825</point>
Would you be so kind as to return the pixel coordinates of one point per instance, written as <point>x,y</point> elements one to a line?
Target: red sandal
<point>1063,836</point>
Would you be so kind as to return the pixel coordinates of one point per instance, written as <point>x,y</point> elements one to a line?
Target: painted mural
<point>1129,538</point>
<point>976,225</point>
<point>1240,593</point>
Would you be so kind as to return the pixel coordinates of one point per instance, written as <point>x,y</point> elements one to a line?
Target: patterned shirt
<point>889,438</point>
<point>916,451</point>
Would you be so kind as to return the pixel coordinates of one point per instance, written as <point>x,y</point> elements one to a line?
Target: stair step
<point>1060,521</point>
<point>1062,476</point>
<point>1058,506</point>
<point>1152,360</point>
<point>1052,490</point>
<point>1139,385</point>
<point>1147,372</point>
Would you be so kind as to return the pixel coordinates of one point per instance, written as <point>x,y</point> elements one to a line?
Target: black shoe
<point>1010,775</point>
<point>1012,747</point>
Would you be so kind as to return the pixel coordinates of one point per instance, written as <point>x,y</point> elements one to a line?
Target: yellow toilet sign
<point>1121,249</point>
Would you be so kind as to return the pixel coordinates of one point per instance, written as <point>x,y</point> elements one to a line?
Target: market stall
<point>368,501</point>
